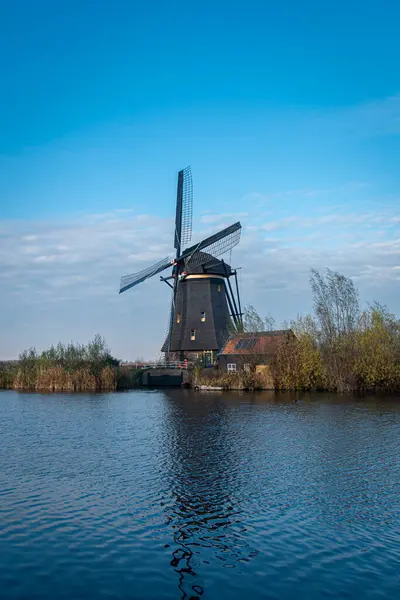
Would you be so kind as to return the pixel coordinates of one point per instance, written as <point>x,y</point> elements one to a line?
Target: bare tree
<point>253,322</point>
<point>269,323</point>
<point>336,303</point>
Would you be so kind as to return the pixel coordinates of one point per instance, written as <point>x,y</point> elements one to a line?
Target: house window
<point>231,367</point>
<point>192,334</point>
<point>219,288</point>
<point>178,317</point>
<point>203,317</point>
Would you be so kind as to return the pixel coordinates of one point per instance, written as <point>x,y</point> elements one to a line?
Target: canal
<point>177,494</point>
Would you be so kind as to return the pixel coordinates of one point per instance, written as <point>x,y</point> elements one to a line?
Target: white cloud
<point>63,284</point>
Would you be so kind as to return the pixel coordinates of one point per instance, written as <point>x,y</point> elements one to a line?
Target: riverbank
<point>60,379</point>
<point>68,368</point>
<point>87,378</point>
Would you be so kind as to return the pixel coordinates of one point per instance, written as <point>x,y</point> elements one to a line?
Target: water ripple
<point>182,495</point>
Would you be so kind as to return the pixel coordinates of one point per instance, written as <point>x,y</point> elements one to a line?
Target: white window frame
<point>231,367</point>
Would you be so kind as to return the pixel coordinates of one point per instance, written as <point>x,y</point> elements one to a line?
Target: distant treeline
<point>67,368</point>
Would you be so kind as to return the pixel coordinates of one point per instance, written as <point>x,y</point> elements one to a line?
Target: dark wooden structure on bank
<point>249,350</point>
<point>160,377</point>
<point>202,316</point>
<point>205,306</point>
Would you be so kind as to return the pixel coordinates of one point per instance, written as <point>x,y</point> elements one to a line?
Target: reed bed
<point>65,368</point>
<point>240,380</point>
<point>8,370</point>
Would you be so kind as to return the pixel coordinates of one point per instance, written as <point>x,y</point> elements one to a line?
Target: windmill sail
<point>183,229</point>
<point>128,281</point>
<point>170,320</point>
<point>184,210</point>
<point>216,245</point>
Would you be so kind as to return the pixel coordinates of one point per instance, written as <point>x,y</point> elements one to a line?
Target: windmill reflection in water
<point>202,506</point>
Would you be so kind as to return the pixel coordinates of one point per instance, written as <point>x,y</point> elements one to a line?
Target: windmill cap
<point>209,264</point>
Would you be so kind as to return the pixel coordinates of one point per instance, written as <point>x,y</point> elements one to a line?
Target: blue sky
<point>289,114</point>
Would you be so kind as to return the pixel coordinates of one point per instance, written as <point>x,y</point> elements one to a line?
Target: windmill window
<point>219,288</point>
<point>192,334</point>
<point>203,317</point>
<point>231,367</point>
<point>178,317</point>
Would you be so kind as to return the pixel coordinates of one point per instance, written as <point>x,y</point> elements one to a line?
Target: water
<point>174,494</point>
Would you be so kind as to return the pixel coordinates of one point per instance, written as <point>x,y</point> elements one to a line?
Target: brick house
<point>245,351</point>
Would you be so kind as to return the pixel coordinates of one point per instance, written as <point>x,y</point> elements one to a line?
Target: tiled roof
<point>262,342</point>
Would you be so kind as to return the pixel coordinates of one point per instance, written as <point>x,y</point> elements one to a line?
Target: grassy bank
<point>67,368</point>
<point>231,381</point>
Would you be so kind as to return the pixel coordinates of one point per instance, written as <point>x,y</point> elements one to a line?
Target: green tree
<point>377,363</point>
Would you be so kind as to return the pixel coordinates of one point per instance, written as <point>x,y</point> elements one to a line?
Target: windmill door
<point>208,358</point>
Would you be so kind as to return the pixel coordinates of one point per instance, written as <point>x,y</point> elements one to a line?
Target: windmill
<point>204,306</point>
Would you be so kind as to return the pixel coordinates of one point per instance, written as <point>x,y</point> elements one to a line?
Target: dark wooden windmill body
<point>204,306</point>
